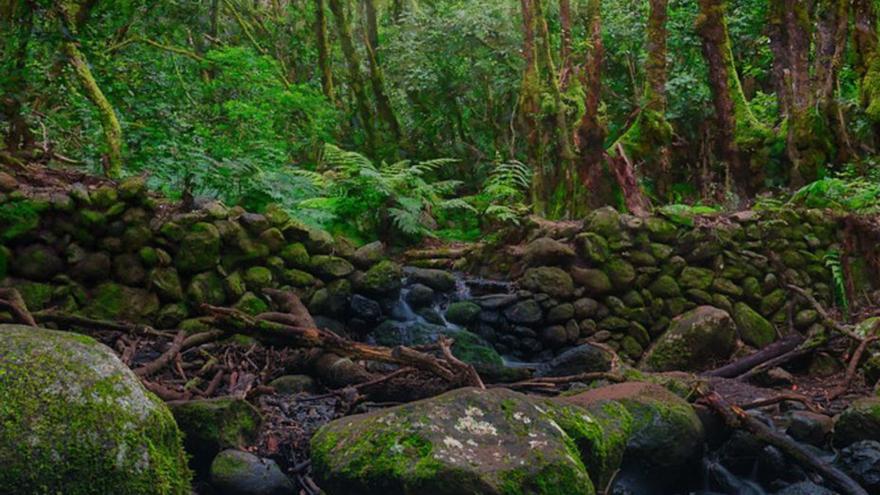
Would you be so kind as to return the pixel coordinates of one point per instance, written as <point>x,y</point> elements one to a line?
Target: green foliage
<point>503,198</point>
<point>682,214</point>
<point>847,193</point>
<point>838,276</point>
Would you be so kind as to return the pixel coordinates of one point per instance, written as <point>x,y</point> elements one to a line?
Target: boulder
<point>331,267</point>
<point>464,441</point>
<point>547,251</point>
<point>206,288</point>
<point>694,341</point>
<point>584,358</point>
<point>293,384</point>
<point>295,255</point>
<point>419,295</point>
<point>381,279</point>
<point>92,268</point>
<point>595,281</point>
<point>753,328</point>
<point>199,249</point>
<point>257,278</point>
<point>860,421</point>
<point>861,461</point>
<point>111,301</point>
<point>36,262</point>
<point>526,312</point>
<point>696,278</point>
<point>439,280</point>
<point>211,425</point>
<point>369,254</point>
<point>365,308</point>
<point>462,312</point>
<point>621,273</point>
<point>166,282</point>
<point>77,420</point>
<point>235,472</point>
<point>548,280</point>
<point>128,269</point>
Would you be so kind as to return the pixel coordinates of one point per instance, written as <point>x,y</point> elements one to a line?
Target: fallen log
<point>736,417</point>
<point>747,363</point>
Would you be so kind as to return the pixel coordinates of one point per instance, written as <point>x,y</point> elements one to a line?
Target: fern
<point>838,277</point>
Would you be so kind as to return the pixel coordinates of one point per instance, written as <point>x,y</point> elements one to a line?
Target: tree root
<point>11,300</point>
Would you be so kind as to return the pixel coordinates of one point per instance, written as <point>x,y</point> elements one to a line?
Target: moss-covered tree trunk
<point>323,44</point>
<point>867,62</point>
<point>70,14</point>
<point>16,22</point>
<point>377,77</point>
<point>833,28</point>
<point>530,110</point>
<point>737,128</point>
<point>355,79</point>
<point>565,42</point>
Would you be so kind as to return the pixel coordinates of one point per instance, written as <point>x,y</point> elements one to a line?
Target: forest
<point>443,247</point>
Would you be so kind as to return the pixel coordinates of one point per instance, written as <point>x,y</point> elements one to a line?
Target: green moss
<point>17,218</point>
<point>216,424</point>
<point>36,295</point>
<point>599,438</point>
<point>81,440</point>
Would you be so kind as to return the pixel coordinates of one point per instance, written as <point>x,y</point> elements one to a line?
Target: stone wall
<point>620,280</point>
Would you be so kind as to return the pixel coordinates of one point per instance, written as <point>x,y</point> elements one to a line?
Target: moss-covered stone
<point>665,286</point>
<point>206,288</point>
<point>753,328</point>
<point>330,267</point>
<point>273,239</point>
<point>694,341</point>
<point>860,421</point>
<point>381,279</point>
<point>620,272</point>
<point>166,282</point>
<point>36,295</point>
<point>211,425</point>
<point>548,280</point>
<point>257,278</point>
<point>77,421</point>
<point>462,312</point>
<point>295,256</point>
<point>466,441</point>
<point>111,301</point>
<point>37,262</point>
<point>297,278</point>
<point>696,278</point>
<point>596,282</point>
<point>251,304</point>
<point>199,248</point>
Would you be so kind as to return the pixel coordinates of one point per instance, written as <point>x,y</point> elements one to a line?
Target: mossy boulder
<point>78,421</point>
<point>439,280</point>
<point>665,286</point>
<point>37,262</point>
<point>295,255</point>
<point>595,281</point>
<point>381,279</point>
<point>661,230</point>
<point>696,278</point>
<point>369,254</point>
<point>584,358</point>
<point>548,280</point>
<point>111,301</point>
<point>593,247</point>
<point>525,312</point>
<point>694,341</point>
<point>547,251</point>
<point>297,278</point>
<point>465,441</point>
<point>650,434</point>
<point>860,421</point>
<point>330,267</point>
<point>36,295</point>
<point>206,288</point>
<point>257,278</point>
<point>251,304</point>
<point>605,221</point>
<point>753,328</point>
<point>166,282</point>
<point>620,272</point>
<point>199,249</point>
<point>462,312</point>
<point>236,472</point>
<point>211,425</point>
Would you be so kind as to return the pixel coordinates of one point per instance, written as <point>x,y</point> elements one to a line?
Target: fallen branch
<point>787,344</point>
<point>166,357</point>
<point>11,299</point>
<point>554,381</point>
<point>736,417</point>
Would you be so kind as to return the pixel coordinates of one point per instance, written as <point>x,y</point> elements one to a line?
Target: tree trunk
<point>565,41</point>
<point>324,51</point>
<point>16,20</point>
<point>590,135</point>
<point>70,14</point>
<point>355,81</point>
<point>779,48</point>
<point>833,28</point>
<point>736,125</point>
<point>529,108</point>
<point>868,61</point>
<point>377,78</point>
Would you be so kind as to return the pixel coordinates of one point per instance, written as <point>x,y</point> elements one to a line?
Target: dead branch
<point>466,369</point>
<point>11,299</point>
<point>781,347</point>
<point>166,357</point>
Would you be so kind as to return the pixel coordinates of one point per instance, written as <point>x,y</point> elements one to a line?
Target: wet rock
<point>462,312</point>
<point>527,312</point>
<point>584,358</point>
<point>548,280</point>
<point>694,341</point>
<point>419,295</point>
<point>585,308</point>
<point>861,460</point>
<point>383,278</point>
<point>753,328</point>
<point>805,488</point>
<point>439,280</point>
<point>77,420</point>
<point>547,251</point>
<point>809,427</point>
<point>496,301</point>
<point>560,313</point>
<point>860,421</point>
<point>554,336</point>
<point>235,472</point>
<point>37,262</point>
<point>211,425</point>
<point>468,440</point>
<point>365,308</point>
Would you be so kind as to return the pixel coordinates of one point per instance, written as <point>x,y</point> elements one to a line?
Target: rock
<point>526,312</point>
<point>805,317</point>
<point>621,273</point>
<point>127,268</point>
<point>805,488</point>
<point>7,182</point>
<point>257,278</point>
<point>694,341</point>
<point>111,301</point>
<point>92,268</point>
<point>753,328</point>
<point>211,425</point>
<point>439,280</point>
<point>369,254</point>
<point>171,315</point>
<point>295,256</point>
<point>465,441</point>
<point>419,295</point>
<point>596,282</point>
<point>860,421</point>
<point>561,313</point>
<point>199,249</point>
<point>495,301</point>
<point>547,251</point>
<point>473,349</point>
<point>554,336</point>
<point>251,304</point>
<point>663,435</point>
<point>727,287</point>
<point>297,278</point>
<point>273,239</point>
<point>861,461</point>
<point>235,472</point>
<point>665,286</point>
<point>77,420</point>
<point>293,384</point>
<point>206,288</point>
<point>548,280</point>
<point>254,222</point>
<point>604,221</point>
<point>660,230</point>
<point>585,308</point>
<point>462,312</point>
<point>809,427</point>
<point>166,283</point>
<point>37,262</point>
<point>696,278</point>
<point>593,247</point>
<point>382,279</point>
<point>365,308</point>
<point>584,358</point>
<point>331,267</point>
